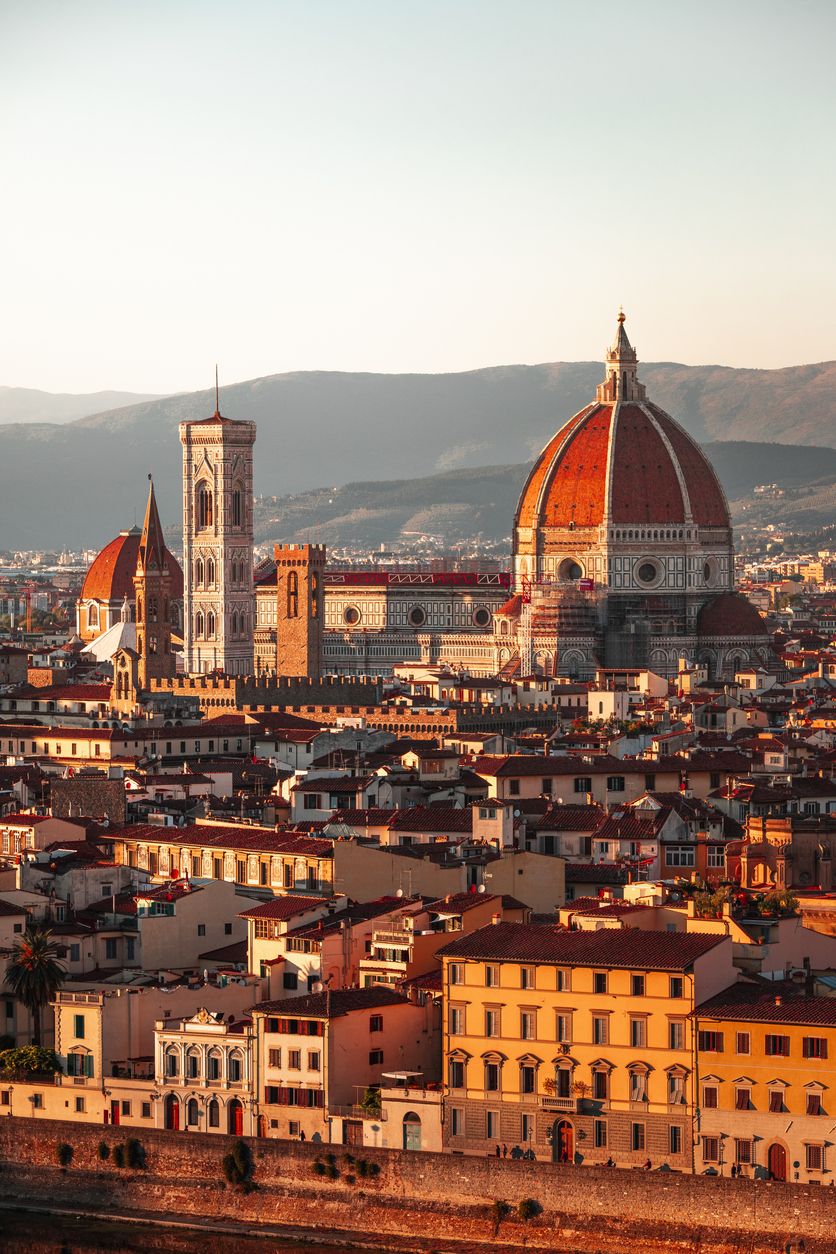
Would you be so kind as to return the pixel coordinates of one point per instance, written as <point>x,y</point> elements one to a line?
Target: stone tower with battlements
<point>219,599</point>
<point>300,569</point>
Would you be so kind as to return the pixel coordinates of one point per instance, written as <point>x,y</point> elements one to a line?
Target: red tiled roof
<point>331,1004</point>
<point>28,820</point>
<point>431,819</point>
<point>216,836</point>
<point>525,942</point>
<point>758,1004</point>
<point>111,575</point>
<point>730,614</point>
<point>334,783</point>
<point>8,908</point>
<point>645,486</point>
<point>283,907</point>
<point>646,454</point>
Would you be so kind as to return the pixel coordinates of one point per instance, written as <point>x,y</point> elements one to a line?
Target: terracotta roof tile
<point>634,948</point>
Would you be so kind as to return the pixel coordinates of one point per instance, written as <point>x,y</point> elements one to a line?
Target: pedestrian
<point>648,1165</point>
<point>734,1171</point>
<point>504,1151</point>
<point>302,1136</point>
<point>498,1152</point>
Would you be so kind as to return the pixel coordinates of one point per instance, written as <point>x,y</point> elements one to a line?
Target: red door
<point>114,1114</point>
<point>236,1118</point>
<point>172,1113</point>
<point>777,1161</point>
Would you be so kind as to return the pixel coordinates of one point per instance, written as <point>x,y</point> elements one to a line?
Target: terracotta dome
<point>111,575</point>
<point>730,614</point>
<point>622,462</point>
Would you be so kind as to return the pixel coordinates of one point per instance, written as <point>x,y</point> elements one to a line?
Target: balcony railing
<point>559,1103</point>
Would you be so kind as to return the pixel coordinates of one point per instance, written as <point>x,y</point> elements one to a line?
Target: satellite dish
<point>399,893</point>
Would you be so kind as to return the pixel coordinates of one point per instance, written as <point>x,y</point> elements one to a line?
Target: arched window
<point>293,595</point>
<point>139,609</point>
<point>92,615</point>
<point>210,572</point>
<point>235,622</point>
<point>237,507</point>
<point>198,572</point>
<point>192,1113</point>
<point>172,1064</point>
<point>198,624</point>
<point>213,1114</point>
<point>210,625</point>
<point>153,609</point>
<point>204,506</point>
<point>236,1068</point>
<point>213,1068</point>
<point>192,1064</point>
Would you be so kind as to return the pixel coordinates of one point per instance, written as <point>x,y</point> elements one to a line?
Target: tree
<point>34,974</point>
<point>28,1061</point>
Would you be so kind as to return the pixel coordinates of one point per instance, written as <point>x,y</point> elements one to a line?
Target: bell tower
<point>219,598</point>
<point>300,570</point>
<point>152,589</point>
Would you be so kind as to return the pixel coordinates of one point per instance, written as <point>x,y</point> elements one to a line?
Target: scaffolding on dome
<point>555,608</point>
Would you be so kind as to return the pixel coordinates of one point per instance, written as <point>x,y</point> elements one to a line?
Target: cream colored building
<point>203,1070</point>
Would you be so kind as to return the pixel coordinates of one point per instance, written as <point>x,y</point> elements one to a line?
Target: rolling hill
<point>79,482</point>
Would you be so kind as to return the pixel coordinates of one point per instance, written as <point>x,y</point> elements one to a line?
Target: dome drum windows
<point>481,617</point>
<point>417,615</point>
<point>351,616</point>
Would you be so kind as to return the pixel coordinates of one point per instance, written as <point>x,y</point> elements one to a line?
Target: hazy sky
<point>410,185</point>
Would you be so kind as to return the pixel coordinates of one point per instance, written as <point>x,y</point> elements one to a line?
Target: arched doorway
<point>172,1113</point>
<point>563,1141</point>
<point>236,1117</point>
<point>411,1131</point>
<point>777,1161</point>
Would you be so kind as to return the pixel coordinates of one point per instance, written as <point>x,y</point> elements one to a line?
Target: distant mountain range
<point>30,405</point>
<point>462,503</point>
<point>78,482</point>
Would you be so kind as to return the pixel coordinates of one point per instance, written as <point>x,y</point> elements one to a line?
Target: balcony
<point>399,938</point>
<point>559,1103</point>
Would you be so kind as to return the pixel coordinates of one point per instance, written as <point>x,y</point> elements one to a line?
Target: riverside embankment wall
<point>430,1198</point>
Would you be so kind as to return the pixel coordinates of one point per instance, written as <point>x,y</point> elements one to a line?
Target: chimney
<point>496,918</point>
<point>778,1000</point>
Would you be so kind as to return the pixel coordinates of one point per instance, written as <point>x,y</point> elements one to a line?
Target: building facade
<point>575,1046</point>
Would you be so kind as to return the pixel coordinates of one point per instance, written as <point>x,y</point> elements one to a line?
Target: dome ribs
<point>708,501</point>
<point>527,510</point>
<point>645,486</point>
<point>576,491</point>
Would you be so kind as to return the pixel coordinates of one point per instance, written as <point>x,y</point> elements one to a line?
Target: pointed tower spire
<point>217,412</point>
<point>621,381</point>
<point>151,555</point>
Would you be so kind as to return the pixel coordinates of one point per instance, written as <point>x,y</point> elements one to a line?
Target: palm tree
<point>34,975</point>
